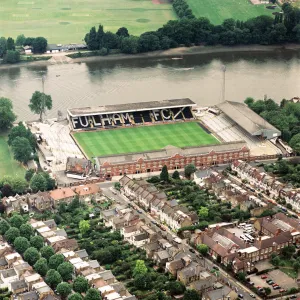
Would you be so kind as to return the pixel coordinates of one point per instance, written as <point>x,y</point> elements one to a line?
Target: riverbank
<point>171,53</point>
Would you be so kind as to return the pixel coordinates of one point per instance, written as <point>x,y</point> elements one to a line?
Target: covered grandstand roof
<point>130,107</point>
<point>248,119</point>
<point>170,151</point>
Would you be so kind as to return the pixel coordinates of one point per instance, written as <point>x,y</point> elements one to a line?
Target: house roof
<point>88,189</point>
<point>29,296</point>
<point>82,253</point>
<point>219,293</point>
<point>94,264</point>
<point>167,152</point>
<point>61,232</point>
<point>62,193</point>
<point>163,254</point>
<point>106,275</point>
<point>19,284</point>
<point>50,223</point>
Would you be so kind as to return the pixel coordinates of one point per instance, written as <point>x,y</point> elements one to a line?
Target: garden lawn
<point>8,166</point>
<point>287,268</point>
<point>217,11</point>
<point>143,138</point>
<point>68,21</point>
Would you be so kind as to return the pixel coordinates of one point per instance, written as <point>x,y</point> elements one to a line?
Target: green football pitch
<point>8,166</point>
<point>143,138</point>
<point>67,21</point>
<point>217,11</point>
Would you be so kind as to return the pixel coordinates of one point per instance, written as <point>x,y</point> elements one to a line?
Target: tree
<point>295,142</point>
<point>164,174</point>
<point>117,186</point>
<point>122,32</point>
<point>111,40</point>
<point>50,182</point>
<point>75,296</point>
<point>92,294</point>
<point>80,284</point>
<point>10,44</point>
<point>41,266</point>
<point>91,39</point>
<point>288,251</point>
<point>22,149</point>
<point>296,266</point>
<point>16,220</point>
<point>191,295</point>
<point>31,255</point>
<point>142,282</point>
<point>20,40</point>
<point>148,41</point>
<point>84,226</point>
<point>241,276</point>
<point>47,252</point>
<point>29,174</point>
<point>203,249</point>
<point>37,242</point>
<point>19,185</point>
<point>21,131</point>
<point>129,45</point>
<point>55,260</point>
<point>65,270</point>
<point>38,183</point>
<point>7,117</point>
<point>203,212</point>
<point>12,56</point>
<point>189,170</point>
<point>176,288</point>
<point>176,175</point>
<point>11,234</point>
<point>140,268</point>
<point>4,226</point>
<point>40,103</point>
<point>39,45</point>
<point>26,231</point>
<point>21,244</point>
<point>64,289</point>
<point>267,291</point>
<point>6,190</point>
<point>3,47</point>
<point>53,278</point>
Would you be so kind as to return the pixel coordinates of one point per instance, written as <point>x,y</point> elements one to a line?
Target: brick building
<point>173,157</point>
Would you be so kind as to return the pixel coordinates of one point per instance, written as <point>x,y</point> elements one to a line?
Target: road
<point>221,274</point>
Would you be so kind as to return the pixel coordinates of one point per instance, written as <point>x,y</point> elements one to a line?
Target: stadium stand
<point>131,114</point>
<point>229,131</point>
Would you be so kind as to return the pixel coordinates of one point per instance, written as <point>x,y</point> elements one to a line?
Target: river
<point>198,77</point>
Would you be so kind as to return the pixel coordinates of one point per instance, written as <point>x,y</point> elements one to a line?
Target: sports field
<point>217,11</point>
<point>144,138</point>
<point>8,166</point>
<point>67,21</point>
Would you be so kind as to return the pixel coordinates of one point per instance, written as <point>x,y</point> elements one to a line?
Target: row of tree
<point>11,55</point>
<point>266,30</point>
<point>182,9</point>
<point>285,117</point>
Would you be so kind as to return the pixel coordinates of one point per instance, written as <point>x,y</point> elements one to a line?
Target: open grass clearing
<point>8,166</point>
<point>68,21</point>
<point>217,11</point>
<point>143,138</point>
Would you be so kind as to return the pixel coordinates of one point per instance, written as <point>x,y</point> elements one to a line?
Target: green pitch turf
<point>219,10</point>
<point>144,138</point>
<point>67,21</point>
<point>8,166</point>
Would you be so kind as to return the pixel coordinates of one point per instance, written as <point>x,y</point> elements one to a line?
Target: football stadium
<point>142,137</point>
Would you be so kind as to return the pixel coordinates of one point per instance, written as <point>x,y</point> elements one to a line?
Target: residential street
<point>222,275</point>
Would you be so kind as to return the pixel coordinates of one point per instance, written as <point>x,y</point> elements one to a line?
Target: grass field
<point>67,21</point>
<point>217,11</point>
<point>8,166</point>
<point>144,138</point>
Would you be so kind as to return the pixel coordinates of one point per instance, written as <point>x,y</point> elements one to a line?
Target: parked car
<point>139,211</point>
<point>252,296</point>
<point>241,296</point>
<point>274,284</point>
<point>293,297</point>
<point>251,282</point>
<point>276,287</point>
<point>263,276</point>
<point>192,250</point>
<point>282,290</point>
<point>271,282</point>
<point>216,268</point>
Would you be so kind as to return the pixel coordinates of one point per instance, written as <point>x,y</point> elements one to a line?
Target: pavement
<point>222,275</point>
